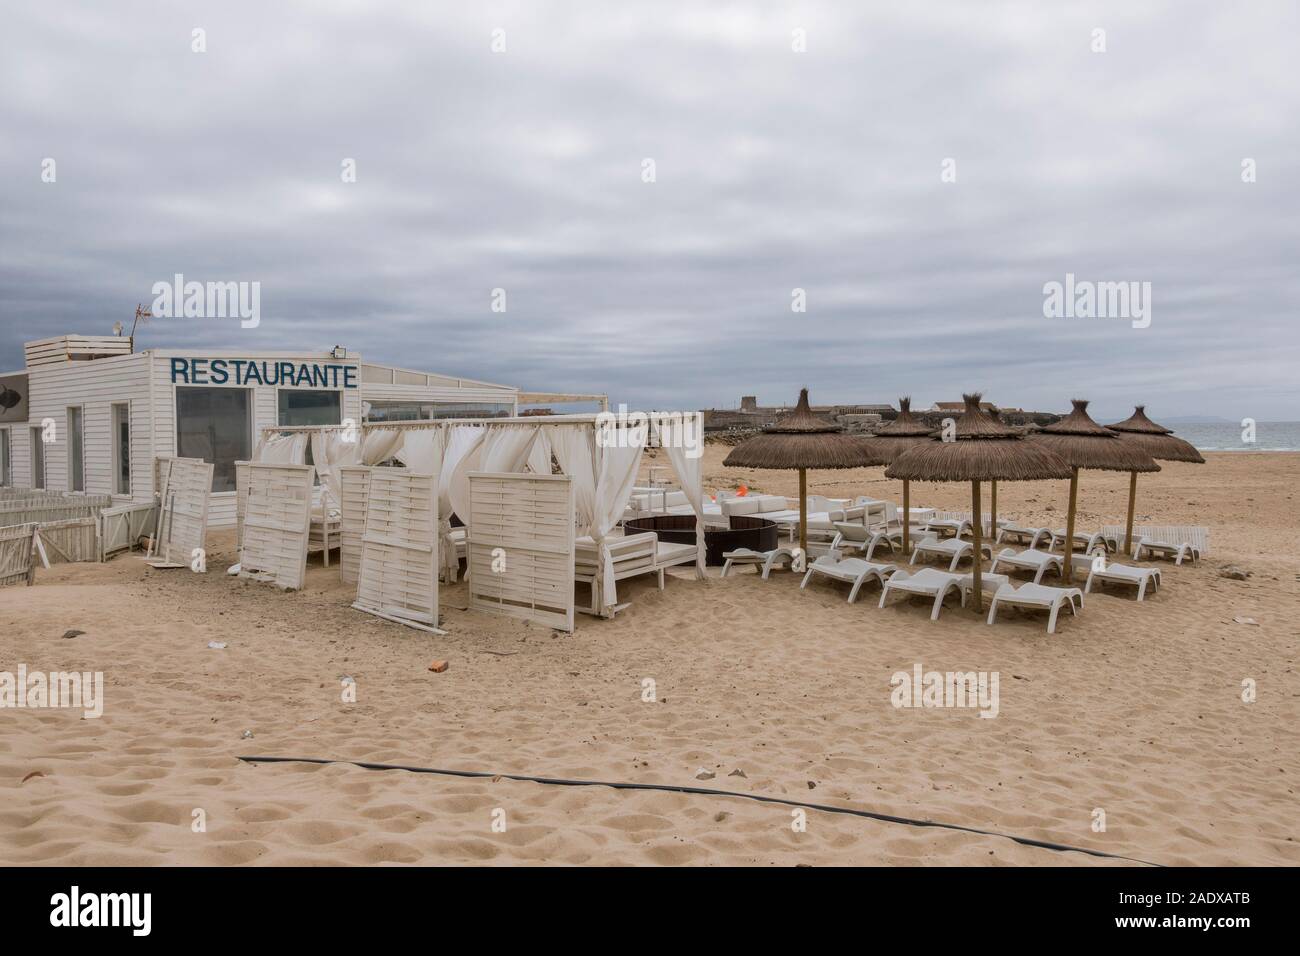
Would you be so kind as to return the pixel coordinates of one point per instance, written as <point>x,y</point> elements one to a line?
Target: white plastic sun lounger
<point>1105,573</point>
<point>767,560</point>
<point>1165,549</point>
<point>1039,562</point>
<point>927,583</point>
<point>1036,596</point>
<point>952,548</point>
<point>854,571</point>
<point>1022,535</point>
<point>1083,540</point>
<point>856,537</point>
<point>958,526</point>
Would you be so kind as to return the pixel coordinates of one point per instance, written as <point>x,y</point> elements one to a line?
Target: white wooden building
<point>89,415</point>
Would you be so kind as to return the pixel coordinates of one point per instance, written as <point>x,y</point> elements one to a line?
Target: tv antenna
<point>140,313</point>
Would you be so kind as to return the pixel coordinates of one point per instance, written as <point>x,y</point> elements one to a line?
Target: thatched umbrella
<point>1158,442</point>
<point>802,441</point>
<point>981,449</point>
<point>893,439</point>
<point>1085,444</point>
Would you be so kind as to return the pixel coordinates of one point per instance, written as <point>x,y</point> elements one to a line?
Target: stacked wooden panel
<point>277,520</point>
<point>183,512</point>
<point>73,348</point>
<point>398,576</point>
<point>355,486</point>
<point>521,549</point>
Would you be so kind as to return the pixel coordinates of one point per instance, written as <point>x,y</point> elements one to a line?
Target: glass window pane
<point>418,411</point>
<point>38,459</point>
<point>6,477</point>
<point>310,407</point>
<point>122,449</point>
<point>214,424</point>
<point>76,456</point>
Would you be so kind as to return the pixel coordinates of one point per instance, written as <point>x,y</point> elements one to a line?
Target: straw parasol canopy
<point>801,440</point>
<point>979,448</point>
<point>904,432</point>
<point>1158,442</point>
<point>1085,444</point>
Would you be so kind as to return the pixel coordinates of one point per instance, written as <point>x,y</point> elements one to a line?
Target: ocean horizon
<point>1227,436</point>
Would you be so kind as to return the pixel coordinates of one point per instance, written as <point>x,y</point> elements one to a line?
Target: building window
<point>38,458</point>
<point>214,424</point>
<point>121,449</point>
<point>76,451</point>
<point>310,407</point>
<point>419,411</point>
<point>6,475</point>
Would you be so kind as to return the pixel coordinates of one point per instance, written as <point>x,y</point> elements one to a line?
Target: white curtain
<point>331,450</point>
<point>508,448</point>
<point>281,449</point>
<point>460,441</point>
<point>539,459</point>
<point>690,472</point>
<point>602,479</point>
<point>460,458</point>
<point>421,450</point>
<point>380,444</point>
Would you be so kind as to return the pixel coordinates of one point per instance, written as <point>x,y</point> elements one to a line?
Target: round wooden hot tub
<point>746,531</point>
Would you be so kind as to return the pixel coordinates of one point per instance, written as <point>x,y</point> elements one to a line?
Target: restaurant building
<point>89,414</point>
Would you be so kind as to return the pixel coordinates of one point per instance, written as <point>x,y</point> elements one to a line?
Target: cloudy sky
<point>774,170</point>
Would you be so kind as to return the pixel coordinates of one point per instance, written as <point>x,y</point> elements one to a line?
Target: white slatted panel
<point>398,576</point>
<point>355,482</point>
<point>241,501</point>
<point>1197,537</point>
<point>184,511</point>
<point>277,517</point>
<point>530,519</point>
<point>16,561</point>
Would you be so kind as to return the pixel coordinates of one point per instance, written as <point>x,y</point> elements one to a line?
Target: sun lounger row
<point>939,585</point>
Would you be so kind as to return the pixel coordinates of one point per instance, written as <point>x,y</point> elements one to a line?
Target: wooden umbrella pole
<point>803,513</point>
<point>1069,526</point>
<point>993,511</point>
<point>1128,525</point>
<point>907,514</point>
<point>978,554</point>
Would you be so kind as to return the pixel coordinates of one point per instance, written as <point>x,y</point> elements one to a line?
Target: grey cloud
<point>775,170</point>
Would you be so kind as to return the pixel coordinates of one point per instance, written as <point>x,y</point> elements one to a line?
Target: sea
<point>1230,436</point>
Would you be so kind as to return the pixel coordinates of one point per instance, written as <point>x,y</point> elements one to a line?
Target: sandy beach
<point>1133,709</point>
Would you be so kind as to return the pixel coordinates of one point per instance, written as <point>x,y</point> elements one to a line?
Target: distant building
<point>751,416</point>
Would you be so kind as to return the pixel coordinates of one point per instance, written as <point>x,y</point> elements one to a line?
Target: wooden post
<point>907,520</point>
<point>1069,526</point>
<point>803,513</point>
<point>1128,526</point>
<point>993,511</point>
<point>976,558</point>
